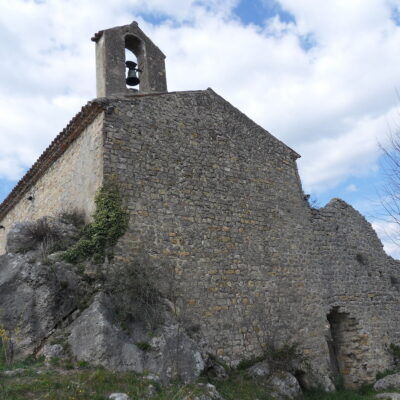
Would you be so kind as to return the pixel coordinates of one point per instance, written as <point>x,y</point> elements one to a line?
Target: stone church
<point>219,198</point>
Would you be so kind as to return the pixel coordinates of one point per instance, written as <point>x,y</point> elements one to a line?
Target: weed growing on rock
<point>6,347</point>
<point>134,292</point>
<point>74,217</point>
<point>110,221</point>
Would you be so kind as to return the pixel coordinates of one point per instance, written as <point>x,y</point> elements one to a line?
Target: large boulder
<point>284,386</point>
<point>36,297</point>
<point>174,354</point>
<point>97,337</point>
<point>388,382</point>
<point>259,370</point>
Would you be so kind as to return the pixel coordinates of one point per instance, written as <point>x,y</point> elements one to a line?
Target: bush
<point>110,221</point>
<point>41,232</point>
<point>74,217</point>
<point>135,296</point>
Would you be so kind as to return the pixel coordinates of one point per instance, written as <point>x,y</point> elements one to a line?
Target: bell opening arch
<point>134,51</point>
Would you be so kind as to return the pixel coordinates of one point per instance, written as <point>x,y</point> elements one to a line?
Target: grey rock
<point>119,396</point>
<point>174,355</point>
<point>284,386</point>
<point>13,372</point>
<point>96,338</point>
<point>210,393</point>
<point>388,396</point>
<point>35,298</point>
<point>151,391</point>
<point>50,351</point>
<point>19,238</point>
<point>261,369</point>
<point>152,378</point>
<point>217,372</point>
<point>388,382</point>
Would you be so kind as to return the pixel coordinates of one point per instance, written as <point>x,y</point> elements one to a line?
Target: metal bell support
<point>132,78</point>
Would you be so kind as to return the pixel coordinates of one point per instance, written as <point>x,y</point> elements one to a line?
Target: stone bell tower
<point>110,61</point>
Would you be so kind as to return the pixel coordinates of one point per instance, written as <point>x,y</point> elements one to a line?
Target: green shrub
<point>249,362</point>
<point>394,350</point>
<point>145,346</point>
<point>110,221</point>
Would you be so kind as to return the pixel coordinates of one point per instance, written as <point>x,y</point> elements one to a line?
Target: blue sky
<point>322,81</point>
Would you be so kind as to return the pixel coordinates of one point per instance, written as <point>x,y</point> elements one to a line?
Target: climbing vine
<point>110,221</point>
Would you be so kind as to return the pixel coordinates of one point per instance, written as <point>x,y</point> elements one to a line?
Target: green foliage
<point>395,350</point>
<point>249,362</point>
<point>110,221</point>
<point>239,386</point>
<point>27,363</point>
<point>145,346</point>
<point>133,289</point>
<point>84,384</point>
<point>343,394</point>
<point>279,358</point>
<point>83,364</point>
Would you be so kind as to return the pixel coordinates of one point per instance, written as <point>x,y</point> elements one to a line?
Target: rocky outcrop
<point>43,297</point>
<point>284,386</point>
<point>260,369</point>
<point>58,310</point>
<point>388,382</point>
<point>36,298</point>
<point>96,337</point>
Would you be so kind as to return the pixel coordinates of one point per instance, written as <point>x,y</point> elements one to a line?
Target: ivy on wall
<point>110,221</point>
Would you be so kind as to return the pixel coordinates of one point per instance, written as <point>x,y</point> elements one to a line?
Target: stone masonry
<point>216,204</point>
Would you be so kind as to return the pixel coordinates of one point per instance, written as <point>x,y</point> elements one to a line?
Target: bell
<point>132,79</point>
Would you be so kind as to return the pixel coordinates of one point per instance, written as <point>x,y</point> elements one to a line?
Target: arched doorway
<point>348,348</point>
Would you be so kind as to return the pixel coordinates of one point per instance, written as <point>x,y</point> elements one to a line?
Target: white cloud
<point>352,188</point>
<point>388,232</point>
<point>332,103</point>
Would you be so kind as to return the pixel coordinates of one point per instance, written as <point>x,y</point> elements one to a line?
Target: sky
<point>322,76</point>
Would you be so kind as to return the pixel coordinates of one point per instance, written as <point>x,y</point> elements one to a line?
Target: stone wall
<point>217,200</point>
<point>70,183</point>
<point>217,205</point>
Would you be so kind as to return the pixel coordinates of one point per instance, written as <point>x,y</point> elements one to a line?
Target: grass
<point>80,381</point>
<point>239,386</point>
<point>85,382</point>
<point>94,384</point>
<point>340,395</point>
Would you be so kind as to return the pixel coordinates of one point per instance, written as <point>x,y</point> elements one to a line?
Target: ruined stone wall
<point>358,279</point>
<point>70,183</point>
